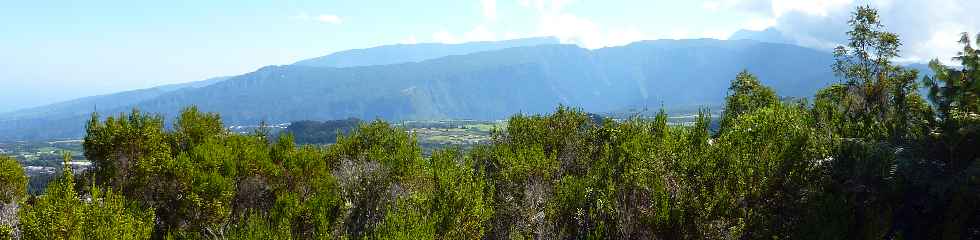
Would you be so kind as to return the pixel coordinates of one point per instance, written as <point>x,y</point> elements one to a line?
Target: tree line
<point>868,158</point>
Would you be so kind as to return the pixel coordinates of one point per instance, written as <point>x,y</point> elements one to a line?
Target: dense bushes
<point>62,214</point>
<point>772,173</point>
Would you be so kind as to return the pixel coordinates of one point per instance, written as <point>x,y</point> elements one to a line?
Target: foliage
<point>955,93</point>
<point>126,150</point>
<point>62,214</point>
<point>746,94</point>
<point>459,205</point>
<point>13,192</point>
<point>878,97</point>
<point>194,128</point>
<point>13,181</point>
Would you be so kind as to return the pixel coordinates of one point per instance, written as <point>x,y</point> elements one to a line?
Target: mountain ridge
<point>404,53</point>
<point>483,85</point>
<point>392,54</point>
<point>111,99</point>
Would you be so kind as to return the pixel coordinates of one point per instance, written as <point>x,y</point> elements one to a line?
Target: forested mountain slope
<point>485,85</point>
<point>60,114</point>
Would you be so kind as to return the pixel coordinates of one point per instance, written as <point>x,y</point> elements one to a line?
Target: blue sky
<point>59,50</point>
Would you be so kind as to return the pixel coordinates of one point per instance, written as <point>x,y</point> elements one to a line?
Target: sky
<point>52,51</point>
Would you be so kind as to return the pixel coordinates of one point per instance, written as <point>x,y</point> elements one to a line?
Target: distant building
<point>80,166</point>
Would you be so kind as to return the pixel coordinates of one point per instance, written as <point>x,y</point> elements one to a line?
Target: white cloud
<point>711,5</point>
<point>740,5</point>
<point>479,33</point>
<point>410,40</point>
<point>813,7</point>
<point>489,9</point>
<point>544,5</point>
<point>942,44</point>
<point>777,8</point>
<point>620,37</point>
<point>552,20</point>
<point>570,28</point>
<point>760,23</point>
<point>718,34</point>
<point>444,36</point>
<point>928,28</point>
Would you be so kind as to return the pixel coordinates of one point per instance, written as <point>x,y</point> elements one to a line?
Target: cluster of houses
<point>246,129</point>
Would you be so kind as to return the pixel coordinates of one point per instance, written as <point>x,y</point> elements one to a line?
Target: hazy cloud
<point>929,29</point>
<point>814,7</point>
<point>545,5</point>
<point>444,36</point>
<point>478,33</point>
<point>741,5</point>
<point>553,20</point>
<point>409,40</point>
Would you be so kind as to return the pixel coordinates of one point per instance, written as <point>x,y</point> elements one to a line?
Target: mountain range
<point>483,80</point>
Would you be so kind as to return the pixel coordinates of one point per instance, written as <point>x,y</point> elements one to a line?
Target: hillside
<point>87,104</point>
<point>484,85</point>
<point>496,84</point>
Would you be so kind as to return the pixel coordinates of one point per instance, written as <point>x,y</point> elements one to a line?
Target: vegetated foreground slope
<point>485,85</point>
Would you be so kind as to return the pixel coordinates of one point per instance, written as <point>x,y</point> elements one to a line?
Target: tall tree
<point>880,96</point>
<point>955,91</point>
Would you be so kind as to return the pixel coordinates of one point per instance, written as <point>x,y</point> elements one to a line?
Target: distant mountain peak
<point>405,53</point>
<point>770,35</point>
